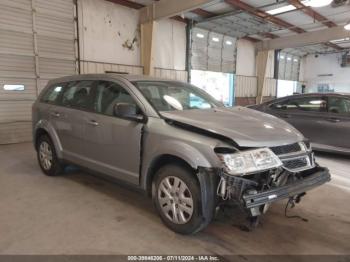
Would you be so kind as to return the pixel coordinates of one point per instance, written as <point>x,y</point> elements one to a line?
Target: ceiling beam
<point>168,8</point>
<point>318,17</point>
<point>305,39</point>
<point>251,39</point>
<point>138,6</point>
<point>312,13</point>
<point>277,21</point>
<point>203,13</point>
<point>127,3</point>
<point>262,14</point>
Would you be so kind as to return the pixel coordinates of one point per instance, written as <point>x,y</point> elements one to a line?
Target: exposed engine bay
<point>257,191</point>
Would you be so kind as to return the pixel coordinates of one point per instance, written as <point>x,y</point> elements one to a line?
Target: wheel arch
<point>45,128</point>
<point>161,161</point>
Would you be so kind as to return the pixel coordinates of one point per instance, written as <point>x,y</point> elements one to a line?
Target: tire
<point>47,158</point>
<point>176,189</point>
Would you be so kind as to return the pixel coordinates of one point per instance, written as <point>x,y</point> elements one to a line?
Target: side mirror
<point>127,111</point>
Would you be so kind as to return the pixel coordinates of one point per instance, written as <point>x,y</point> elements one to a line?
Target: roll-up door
<point>37,44</point>
<point>213,52</point>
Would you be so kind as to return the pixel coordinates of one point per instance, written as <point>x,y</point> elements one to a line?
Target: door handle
<point>93,123</point>
<point>55,114</point>
<point>334,120</point>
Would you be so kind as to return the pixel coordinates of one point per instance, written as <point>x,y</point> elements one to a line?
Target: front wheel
<point>47,158</point>
<point>177,198</point>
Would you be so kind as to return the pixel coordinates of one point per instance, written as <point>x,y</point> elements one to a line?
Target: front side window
<point>78,94</point>
<point>109,94</point>
<point>308,104</point>
<point>339,105</point>
<point>172,96</point>
<point>53,93</point>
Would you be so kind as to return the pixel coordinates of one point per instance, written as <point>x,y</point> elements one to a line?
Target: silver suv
<point>175,142</point>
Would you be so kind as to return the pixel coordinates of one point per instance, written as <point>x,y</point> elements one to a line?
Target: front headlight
<point>252,161</point>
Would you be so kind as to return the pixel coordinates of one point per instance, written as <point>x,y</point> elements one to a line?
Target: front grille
<point>295,164</point>
<point>283,150</point>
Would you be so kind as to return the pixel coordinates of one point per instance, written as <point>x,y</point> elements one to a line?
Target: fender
<point>44,124</point>
<point>179,149</point>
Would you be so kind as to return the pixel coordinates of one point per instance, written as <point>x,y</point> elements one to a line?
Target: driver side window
<point>109,94</point>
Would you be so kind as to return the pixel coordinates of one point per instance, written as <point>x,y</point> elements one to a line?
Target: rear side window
<point>53,93</point>
<point>79,94</point>
<point>308,104</point>
<point>339,105</point>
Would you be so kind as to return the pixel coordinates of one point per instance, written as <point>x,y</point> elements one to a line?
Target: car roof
<point>307,95</point>
<point>108,75</point>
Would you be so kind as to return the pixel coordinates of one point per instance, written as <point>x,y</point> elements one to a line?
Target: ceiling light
<point>228,42</point>
<point>282,9</point>
<point>347,26</point>
<point>295,60</point>
<point>215,39</point>
<point>282,57</point>
<point>317,3</point>
<point>289,58</point>
<point>199,35</point>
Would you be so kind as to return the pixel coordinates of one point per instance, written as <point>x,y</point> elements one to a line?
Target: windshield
<point>172,96</point>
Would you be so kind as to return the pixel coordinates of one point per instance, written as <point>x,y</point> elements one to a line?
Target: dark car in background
<point>322,118</point>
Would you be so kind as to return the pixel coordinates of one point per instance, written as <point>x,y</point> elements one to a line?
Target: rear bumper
<point>316,179</point>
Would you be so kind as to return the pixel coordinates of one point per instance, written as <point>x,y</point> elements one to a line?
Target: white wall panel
<point>104,28</point>
<point>170,44</point>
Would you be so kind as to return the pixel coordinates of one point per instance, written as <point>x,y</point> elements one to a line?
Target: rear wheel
<point>47,158</point>
<point>177,198</point>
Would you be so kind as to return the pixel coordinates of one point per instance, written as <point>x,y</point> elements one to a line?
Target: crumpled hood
<point>246,127</point>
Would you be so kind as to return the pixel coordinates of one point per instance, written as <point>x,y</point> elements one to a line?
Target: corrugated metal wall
<point>246,86</point>
<point>37,43</point>
<point>171,74</point>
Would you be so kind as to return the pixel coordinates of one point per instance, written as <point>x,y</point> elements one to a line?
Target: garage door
<point>213,52</point>
<point>37,43</point>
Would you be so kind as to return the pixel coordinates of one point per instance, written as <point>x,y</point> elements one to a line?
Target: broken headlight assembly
<point>250,161</point>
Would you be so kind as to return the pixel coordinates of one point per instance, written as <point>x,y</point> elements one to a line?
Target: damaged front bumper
<point>295,188</point>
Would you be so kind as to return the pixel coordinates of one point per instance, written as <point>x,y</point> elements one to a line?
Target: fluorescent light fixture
<point>281,57</point>
<point>13,87</point>
<point>317,3</point>
<point>215,39</point>
<point>295,60</point>
<point>312,3</point>
<point>282,9</point>
<point>347,26</point>
<point>228,42</point>
<point>199,35</point>
<point>289,58</point>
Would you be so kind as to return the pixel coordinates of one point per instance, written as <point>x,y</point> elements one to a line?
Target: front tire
<point>47,158</point>
<point>177,198</point>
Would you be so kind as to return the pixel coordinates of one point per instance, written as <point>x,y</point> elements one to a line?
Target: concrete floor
<point>80,214</point>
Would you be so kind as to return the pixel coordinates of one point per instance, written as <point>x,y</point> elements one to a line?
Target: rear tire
<point>47,158</point>
<point>177,198</point>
